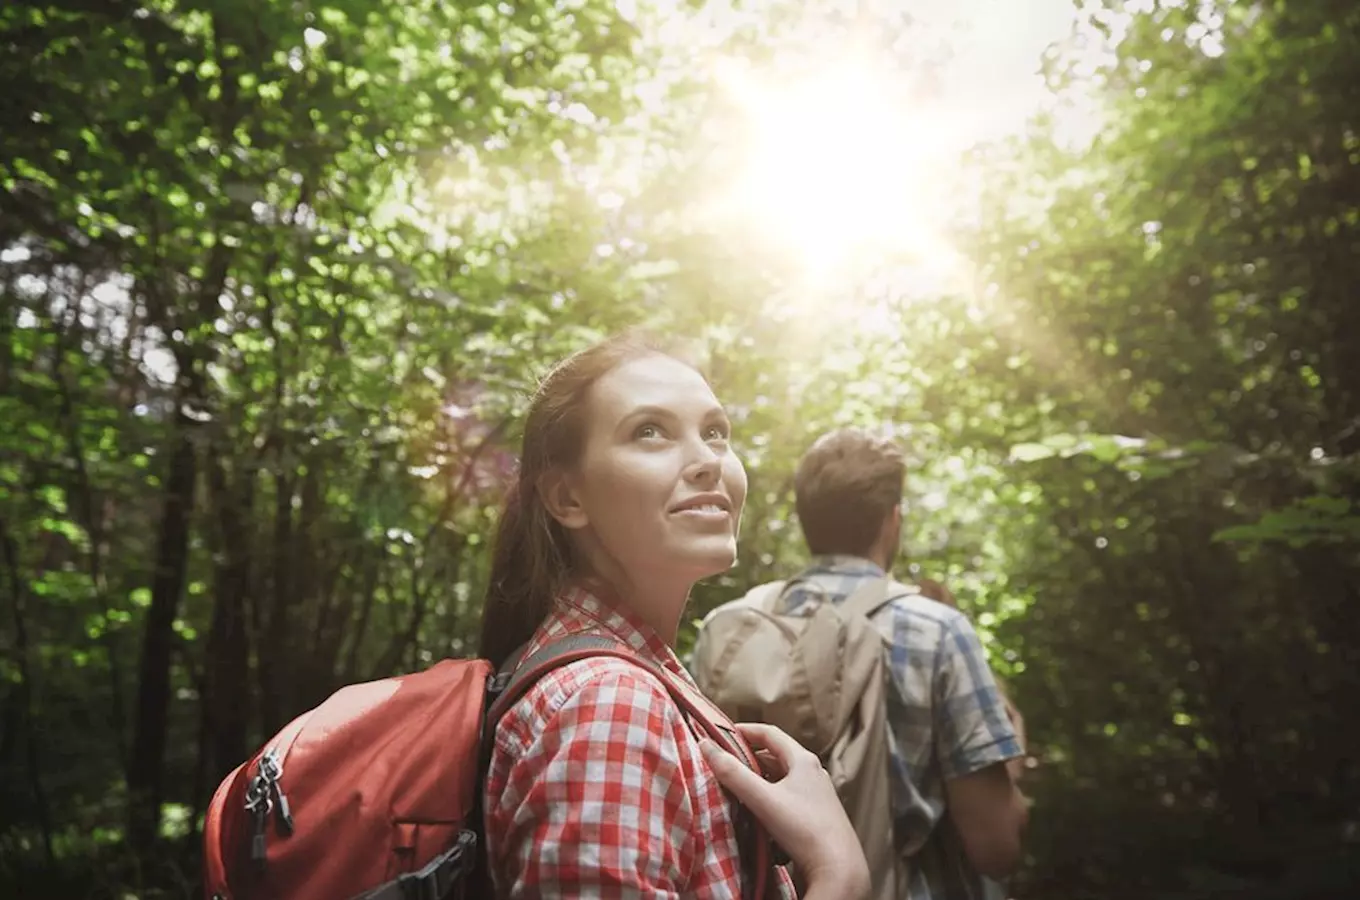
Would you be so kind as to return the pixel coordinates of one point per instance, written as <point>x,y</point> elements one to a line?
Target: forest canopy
<point>276,280</point>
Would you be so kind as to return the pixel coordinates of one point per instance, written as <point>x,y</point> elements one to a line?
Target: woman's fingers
<point>800,810</point>
<point>735,776</point>
<point>767,737</point>
<point>771,765</point>
<point>778,743</point>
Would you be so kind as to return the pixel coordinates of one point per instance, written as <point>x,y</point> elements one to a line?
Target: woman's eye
<point>647,432</point>
<point>715,433</point>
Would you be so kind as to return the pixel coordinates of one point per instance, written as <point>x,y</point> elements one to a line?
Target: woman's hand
<point>800,810</point>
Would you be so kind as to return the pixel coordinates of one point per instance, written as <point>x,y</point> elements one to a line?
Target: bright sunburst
<point>835,164</point>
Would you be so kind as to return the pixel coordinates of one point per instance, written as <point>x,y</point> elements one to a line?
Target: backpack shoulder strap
<point>871,596</point>
<point>518,674</point>
<point>516,677</point>
<point>766,596</point>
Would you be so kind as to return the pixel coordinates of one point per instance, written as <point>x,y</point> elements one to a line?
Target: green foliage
<point>1308,521</point>
<point>1180,310</point>
<point>278,278</point>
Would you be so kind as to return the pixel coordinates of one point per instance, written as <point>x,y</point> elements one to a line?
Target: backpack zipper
<point>263,796</point>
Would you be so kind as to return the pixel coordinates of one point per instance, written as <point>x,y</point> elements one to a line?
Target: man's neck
<point>854,559</point>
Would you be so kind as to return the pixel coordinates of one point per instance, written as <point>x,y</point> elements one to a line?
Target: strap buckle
<point>436,879</point>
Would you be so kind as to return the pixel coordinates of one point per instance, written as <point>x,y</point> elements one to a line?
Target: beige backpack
<point>823,679</point>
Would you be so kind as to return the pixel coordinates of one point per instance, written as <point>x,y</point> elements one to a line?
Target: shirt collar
<point>845,564</point>
<point>617,621</point>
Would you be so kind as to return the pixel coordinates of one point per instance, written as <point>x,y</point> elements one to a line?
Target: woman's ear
<point>558,493</point>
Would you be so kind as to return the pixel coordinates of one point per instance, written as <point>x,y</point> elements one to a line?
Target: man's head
<point>848,492</point>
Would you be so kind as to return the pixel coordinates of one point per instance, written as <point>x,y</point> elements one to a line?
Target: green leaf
<point>1032,452</point>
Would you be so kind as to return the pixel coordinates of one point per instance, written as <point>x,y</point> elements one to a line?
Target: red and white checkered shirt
<point>597,785</point>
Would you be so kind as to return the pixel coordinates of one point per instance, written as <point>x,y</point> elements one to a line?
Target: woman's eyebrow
<point>650,410</point>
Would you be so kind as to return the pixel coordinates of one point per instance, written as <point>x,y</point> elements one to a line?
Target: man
<point>956,809</point>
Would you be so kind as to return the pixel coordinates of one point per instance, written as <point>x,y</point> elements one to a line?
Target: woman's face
<point>658,492</point>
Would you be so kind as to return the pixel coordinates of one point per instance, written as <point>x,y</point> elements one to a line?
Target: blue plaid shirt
<point>945,719</point>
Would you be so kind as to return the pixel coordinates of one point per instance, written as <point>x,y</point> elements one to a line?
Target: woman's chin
<point>710,561</point>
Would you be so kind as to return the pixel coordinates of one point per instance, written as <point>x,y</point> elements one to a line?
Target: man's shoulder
<point>913,619</point>
<point>908,600</point>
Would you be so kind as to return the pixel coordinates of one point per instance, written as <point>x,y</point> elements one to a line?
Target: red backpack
<point>376,793</point>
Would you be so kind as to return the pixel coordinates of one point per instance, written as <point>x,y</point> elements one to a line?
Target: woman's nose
<point>705,465</point>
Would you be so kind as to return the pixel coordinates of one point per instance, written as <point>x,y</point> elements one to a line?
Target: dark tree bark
<point>144,774</point>
<point>226,687</point>
<point>87,508</point>
<point>372,569</point>
<point>30,729</point>
<point>270,614</point>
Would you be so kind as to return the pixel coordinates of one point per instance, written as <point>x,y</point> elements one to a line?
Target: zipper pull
<point>271,771</point>
<point>259,803</point>
<point>258,847</point>
<point>285,814</point>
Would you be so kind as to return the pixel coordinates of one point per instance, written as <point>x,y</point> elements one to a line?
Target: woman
<point>628,493</point>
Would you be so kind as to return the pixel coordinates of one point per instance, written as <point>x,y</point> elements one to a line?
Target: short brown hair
<point>846,485</point>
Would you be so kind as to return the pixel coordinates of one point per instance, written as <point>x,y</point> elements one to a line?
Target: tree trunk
<point>30,727</point>
<point>372,568</point>
<point>90,518</point>
<point>144,776</point>
<point>269,646</point>
<point>226,683</point>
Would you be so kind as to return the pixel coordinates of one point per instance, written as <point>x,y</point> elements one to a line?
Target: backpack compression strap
<point>873,595</point>
<point>865,600</point>
<point>518,675</point>
<point>767,596</point>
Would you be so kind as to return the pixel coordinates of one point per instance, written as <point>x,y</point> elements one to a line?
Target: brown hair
<point>846,485</point>
<point>934,590</point>
<point>532,558</point>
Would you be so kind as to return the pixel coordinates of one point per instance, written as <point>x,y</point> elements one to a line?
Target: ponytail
<point>527,571</point>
